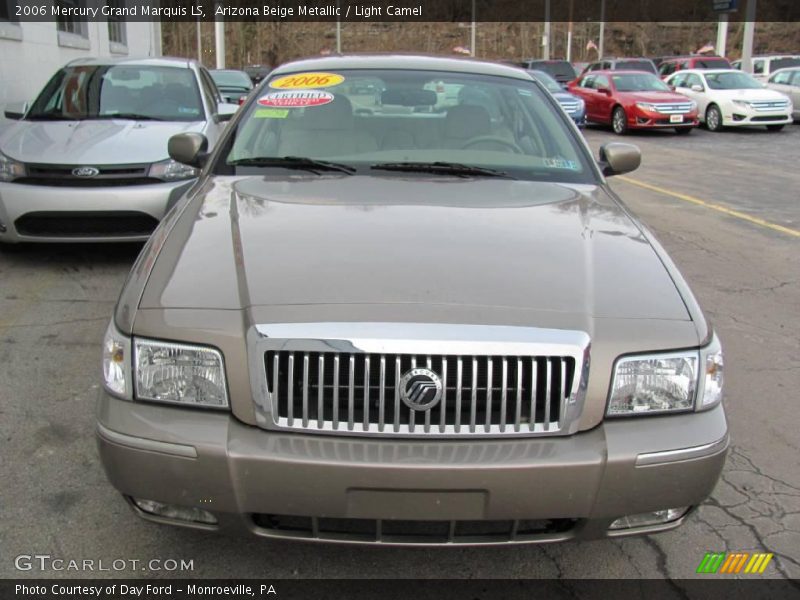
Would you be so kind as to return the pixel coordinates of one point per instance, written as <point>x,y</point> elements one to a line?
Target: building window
<point>9,21</point>
<point>117,34</point>
<point>68,23</point>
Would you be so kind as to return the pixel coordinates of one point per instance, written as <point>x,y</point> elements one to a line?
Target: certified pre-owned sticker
<point>298,99</point>
<point>306,81</point>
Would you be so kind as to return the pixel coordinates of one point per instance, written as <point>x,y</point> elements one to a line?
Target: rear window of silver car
<point>364,117</point>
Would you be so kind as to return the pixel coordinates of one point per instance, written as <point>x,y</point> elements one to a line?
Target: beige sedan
<point>787,81</point>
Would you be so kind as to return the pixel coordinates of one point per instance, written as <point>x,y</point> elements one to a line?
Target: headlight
<point>179,374</point>
<point>711,390</point>
<point>117,363</point>
<point>692,105</point>
<point>656,383</point>
<point>581,103</point>
<point>10,169</point>
<point>645,106</point>
<point>172,170</point>
<point>741,103</point>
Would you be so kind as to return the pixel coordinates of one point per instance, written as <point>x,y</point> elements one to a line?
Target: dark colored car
<point>256,73</point>
<point>622,64</point>
<point>679,63</point>
<point>634,100</point>
<point>560,70</point>
<point>234,86</point>
<point>572,104</point>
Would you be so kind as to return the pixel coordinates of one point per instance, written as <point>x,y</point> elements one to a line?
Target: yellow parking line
<point>712,206</point>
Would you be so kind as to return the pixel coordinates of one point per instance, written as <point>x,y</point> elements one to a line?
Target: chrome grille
<point>107,176</point>
<point>358,392</point>
<point>570,106</point>
<point>769,105</point>
<point>673,108</point>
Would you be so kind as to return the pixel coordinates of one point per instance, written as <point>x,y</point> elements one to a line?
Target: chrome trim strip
<point>670,456</point>
<point>147,445</point>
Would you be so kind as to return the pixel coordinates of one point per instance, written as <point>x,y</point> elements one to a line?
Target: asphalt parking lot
<point>727,208</point>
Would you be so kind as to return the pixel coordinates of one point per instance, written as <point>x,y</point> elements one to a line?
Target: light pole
<point>600,51</point>
<point>546,36</point>
<point>749,30</point>
<point>472,33</point>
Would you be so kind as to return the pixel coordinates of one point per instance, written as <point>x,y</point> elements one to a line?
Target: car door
<point>701,97</point>
<point>604,97</point>
<point>759,69</point>
<point>794,87</point>
<point>212,98</point>
<point>585,89</point>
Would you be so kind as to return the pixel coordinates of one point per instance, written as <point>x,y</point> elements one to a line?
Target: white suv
<point>764,66</point>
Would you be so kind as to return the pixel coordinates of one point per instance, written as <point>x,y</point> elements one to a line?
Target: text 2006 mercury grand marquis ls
<point>381,316</point>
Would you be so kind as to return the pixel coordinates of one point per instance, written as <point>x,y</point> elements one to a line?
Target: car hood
<point>565,96</point>
<point>751,95</point>
<point>653,97</point>
<point>362,240</point>
<point>92,142</point>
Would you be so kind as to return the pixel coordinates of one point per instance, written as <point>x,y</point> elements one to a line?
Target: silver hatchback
<point>88,161</point>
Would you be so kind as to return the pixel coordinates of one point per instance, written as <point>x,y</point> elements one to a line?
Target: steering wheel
<point>493,139</point>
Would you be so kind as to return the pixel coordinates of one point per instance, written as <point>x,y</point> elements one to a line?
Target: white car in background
<point>787,81</point>
<point>764,66</point>
<point>730,98</point>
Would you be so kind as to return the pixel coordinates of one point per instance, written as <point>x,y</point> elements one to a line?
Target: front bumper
<point>246,476</point>
<point>20,200</point>
<point>740,117</point>
<point>648,120</point>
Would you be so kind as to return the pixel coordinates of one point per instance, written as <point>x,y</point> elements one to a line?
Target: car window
<point>783,77</point>
<point>502,123</point>
<point>679,80</point>
<point>715,62</point>
<point>693,79</point>
<point>587,82</point>
<point>758,66</point>
<point>796,78</point>
<point>782,63</point>
<point>601,82</point>
<point>231,79</point>
<point>120,91</point>
<point>638,82</point>
<point>667,69</point>
<point>210,89</point>
<point>635,65</point>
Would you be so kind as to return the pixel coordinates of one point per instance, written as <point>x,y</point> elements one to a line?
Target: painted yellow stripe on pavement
<point>713,206</point>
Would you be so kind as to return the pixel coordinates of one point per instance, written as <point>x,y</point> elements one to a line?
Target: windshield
<point>639,82</point>
<point>232,79</point>
<point>120,91</point>
<point>731,80</point>
<point>560,69</point>
<point>635,65</point>
<point>712,63</point>
<point>547,81</point>
<point>367,119</point>
<point>782,63</point>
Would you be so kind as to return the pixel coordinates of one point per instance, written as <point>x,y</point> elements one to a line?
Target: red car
<point>633,100</point>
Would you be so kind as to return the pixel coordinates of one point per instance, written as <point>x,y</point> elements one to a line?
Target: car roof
<point>691,56</point>
<point>409,62</point>
<point>165,61</point>
<point>707,71</point>
<point>787,55</point>
<point>615,72</point>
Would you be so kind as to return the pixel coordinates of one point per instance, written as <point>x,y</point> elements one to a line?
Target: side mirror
<point>189,149</point>
<point>225,111</point>
<point>16,110</point>
<point>697,87</point>
<point>617,158</point>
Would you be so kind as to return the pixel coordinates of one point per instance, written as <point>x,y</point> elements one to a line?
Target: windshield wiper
<point>129,116</point>
<point>293,162</point>
<point>446,168</point>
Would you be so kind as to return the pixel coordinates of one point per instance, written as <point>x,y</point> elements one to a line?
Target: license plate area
<point>676,118</point>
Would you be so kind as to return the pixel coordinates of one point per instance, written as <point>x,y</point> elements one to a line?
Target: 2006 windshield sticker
<point>306,81</point>
<point>299,99</point>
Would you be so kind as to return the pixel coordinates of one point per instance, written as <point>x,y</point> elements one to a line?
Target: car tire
<point>683,130</point>
<point>619,121</point>
<point>774,127</point>
<point>714,118</point>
